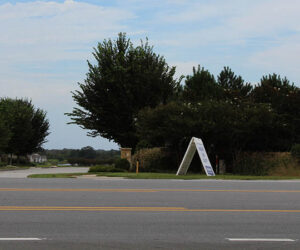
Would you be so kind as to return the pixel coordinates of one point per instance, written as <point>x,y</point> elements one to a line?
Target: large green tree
<point>234,87</point>
<point>284,98</point>
<point>167,125</point>
<point>123,80</point>
<point>200,86</point>
<point>4,133</point>
<point>28,126</point>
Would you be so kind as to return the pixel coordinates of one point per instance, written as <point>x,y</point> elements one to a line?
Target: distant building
<point>36,158</point>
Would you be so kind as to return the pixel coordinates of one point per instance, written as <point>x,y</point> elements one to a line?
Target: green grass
<point>167,176</point>
<point>62,175</point>
<point>5,168</point>
<point>194,176</point>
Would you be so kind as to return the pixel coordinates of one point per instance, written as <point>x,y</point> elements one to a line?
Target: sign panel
<point>195,144</point>
<point>204,158</point>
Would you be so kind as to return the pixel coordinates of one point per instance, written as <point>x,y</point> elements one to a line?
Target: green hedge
<point>96,169</point>
<point>122,164</point>
<point>89,162</point>
<point>153,160</point>
<point>295,151</point>
<point>262,163</point>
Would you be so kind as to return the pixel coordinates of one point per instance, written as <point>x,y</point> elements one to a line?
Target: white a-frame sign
<point>195,144</point>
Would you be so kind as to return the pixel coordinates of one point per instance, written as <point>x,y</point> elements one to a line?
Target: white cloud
<point>184,68</point>
<point>267,18</point>
<point>232,22</point>
<point>45,30</point>
<point>38,33</point>
<point>258,35</point>
<point>283,59</point>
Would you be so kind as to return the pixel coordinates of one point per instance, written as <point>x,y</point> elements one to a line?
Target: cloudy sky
<point>44,45</point>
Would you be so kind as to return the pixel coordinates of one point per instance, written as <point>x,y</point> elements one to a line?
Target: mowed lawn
<point>165,176</point>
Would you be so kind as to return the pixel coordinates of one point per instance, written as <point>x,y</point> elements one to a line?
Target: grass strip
<point>8,168</point>
<point>167,176</point>
<point>60,175</point>
<point>195,176</point>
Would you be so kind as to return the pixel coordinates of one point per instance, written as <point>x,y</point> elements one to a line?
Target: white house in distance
<point>37,158</point>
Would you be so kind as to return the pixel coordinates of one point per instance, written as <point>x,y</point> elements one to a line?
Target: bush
<point>262,163</point>
<point>152,160</point>
<point>249,164</point>
<point>2,164</point>
<point>295,151</point>
<point>89,162</point>
<point>22,161</point>
<point>122,164</point>
<point>96,169</point>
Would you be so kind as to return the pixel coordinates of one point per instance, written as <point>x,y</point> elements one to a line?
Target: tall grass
<point>271,163</point>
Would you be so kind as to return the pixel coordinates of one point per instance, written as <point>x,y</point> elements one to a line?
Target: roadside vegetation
<point>86,156</point>
<point>60,175</point>
<point>131,96</point>
<point>251,166</point>
<point>7,168</point>
<point>23,130</point>
<point>167,176</point>
<point>195,176</point>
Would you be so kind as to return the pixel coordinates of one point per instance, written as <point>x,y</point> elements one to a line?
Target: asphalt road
<point>148,214</point>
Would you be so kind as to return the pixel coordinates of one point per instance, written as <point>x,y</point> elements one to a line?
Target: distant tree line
<point>84,156</point>
<point>23,128</point>
<point>131,96</point>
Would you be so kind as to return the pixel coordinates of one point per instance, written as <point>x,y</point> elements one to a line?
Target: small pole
<point>137,167</point>
<point>217,164</point>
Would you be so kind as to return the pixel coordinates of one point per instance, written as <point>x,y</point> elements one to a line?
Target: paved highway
<point>148,214</point>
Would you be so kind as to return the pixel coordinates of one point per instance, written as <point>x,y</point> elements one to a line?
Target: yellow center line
<point>138,209</point>
<point>128,190</point>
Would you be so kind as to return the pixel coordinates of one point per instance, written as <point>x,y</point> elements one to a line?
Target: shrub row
<point>96,169</point>
<point>245,163</point>
<point>89,162</point>
<point>295,151</point>
<point>122,164</point>
<point>153,160</point>
<point>261,163</point>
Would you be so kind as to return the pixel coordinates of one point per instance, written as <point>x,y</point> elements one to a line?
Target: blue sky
<point>44,45</point>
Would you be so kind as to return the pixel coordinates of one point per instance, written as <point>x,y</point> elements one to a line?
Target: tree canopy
<point>130,96</point>
<point>233,86</point>
<point>4,133</point>
<point>124,80</point>
<point>230,115</point>
<point>26,126</point>
<point>201,85</point>
<point>284,98</point>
